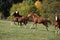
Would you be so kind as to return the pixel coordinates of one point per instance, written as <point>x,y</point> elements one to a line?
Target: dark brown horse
<point>16,16</point>
<point>39,20</point>
<point>57,22</point>
<point>15,19</point>
<point>20,20</point>
<point>23,19</point>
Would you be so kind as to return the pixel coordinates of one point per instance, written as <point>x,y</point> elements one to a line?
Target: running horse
<point>15,19</point>
<point>39,20</point>
<point>21,19</point>
<point>57,22</point>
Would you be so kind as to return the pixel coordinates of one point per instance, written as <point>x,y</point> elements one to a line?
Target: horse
<point>39,20</point>
<point>15,19</point>
<point>57,24</point>
<point>16,16</point>
<point>23,19</point>
<point>20,20</point>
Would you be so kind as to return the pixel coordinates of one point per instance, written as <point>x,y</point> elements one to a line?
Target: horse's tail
<point>49,21</point>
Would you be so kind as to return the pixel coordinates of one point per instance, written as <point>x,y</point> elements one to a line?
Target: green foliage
<point>47,10</point>
<point>24,8</point>
<point>13,8</point>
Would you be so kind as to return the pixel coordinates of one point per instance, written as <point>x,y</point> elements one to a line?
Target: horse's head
<point>32,14</point>
<point>29,15</point>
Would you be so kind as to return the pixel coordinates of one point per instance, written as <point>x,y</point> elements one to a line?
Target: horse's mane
<point>35,15</point>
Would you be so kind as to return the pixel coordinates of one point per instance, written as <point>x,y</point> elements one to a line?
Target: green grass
<point>14,32</point>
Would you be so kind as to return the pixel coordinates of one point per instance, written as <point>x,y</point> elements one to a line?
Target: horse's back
<point>40,19</point>
<point>23,18</point>
<point>15,19</point>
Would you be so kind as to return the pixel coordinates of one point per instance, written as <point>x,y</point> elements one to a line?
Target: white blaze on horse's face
<point>56,18</point>
<point>16,11</point>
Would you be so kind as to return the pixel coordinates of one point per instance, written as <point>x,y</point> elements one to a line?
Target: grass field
<point>14,32</point>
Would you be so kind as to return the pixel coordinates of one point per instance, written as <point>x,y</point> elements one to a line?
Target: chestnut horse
<point>39,20</point>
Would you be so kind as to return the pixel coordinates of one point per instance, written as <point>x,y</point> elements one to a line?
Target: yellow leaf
<point>37,4</point>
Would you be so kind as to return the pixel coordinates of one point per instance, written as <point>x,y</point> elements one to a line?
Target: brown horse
<point>39,20</point>
<point>20,20</point>
<point>57,23</point>
<point>23,19</point>
<point>15,19</point>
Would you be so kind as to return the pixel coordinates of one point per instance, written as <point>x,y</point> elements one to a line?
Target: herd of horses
<point>36,20</point>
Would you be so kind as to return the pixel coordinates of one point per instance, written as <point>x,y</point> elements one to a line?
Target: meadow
<point>15,32</point>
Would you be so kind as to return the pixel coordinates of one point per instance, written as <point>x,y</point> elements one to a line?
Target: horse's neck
<point>34,17</point>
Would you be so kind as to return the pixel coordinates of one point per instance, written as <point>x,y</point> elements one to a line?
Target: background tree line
<point>47,9</point>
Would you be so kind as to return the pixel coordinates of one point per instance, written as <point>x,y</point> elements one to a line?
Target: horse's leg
<point>36,26</point>
<point>59,30</point>
<point>24,24</point>
<point>18,23</point>
<point>14,23</point>
<point>56,29</point>
<point>46,26</point>
<point>31,26</point>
